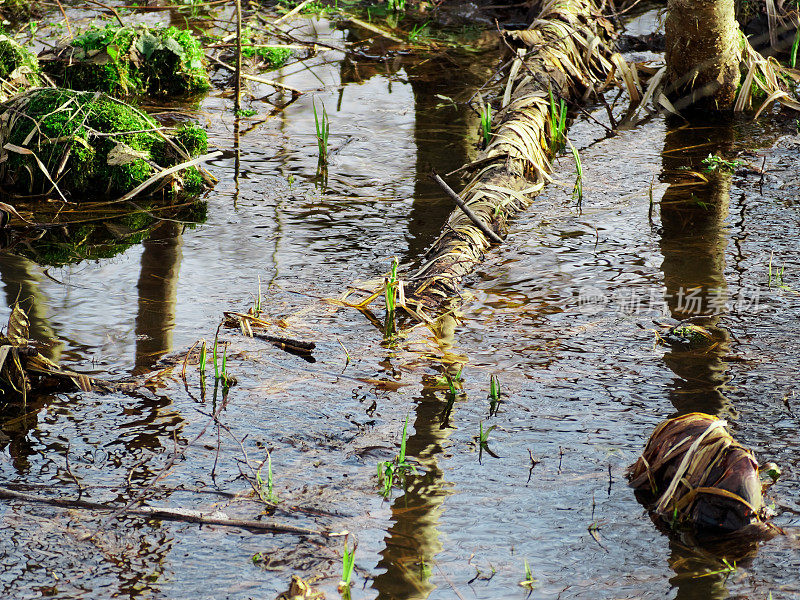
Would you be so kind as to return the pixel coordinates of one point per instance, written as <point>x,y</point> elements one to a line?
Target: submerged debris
<point>693,473</point>
<point>70,143</point>
<point>129,60</point>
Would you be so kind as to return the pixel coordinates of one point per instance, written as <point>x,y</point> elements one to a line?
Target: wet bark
<point>703,53</point>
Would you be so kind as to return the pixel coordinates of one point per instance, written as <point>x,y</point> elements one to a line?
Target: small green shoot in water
<point>494,388</point>
<point>266,490</point>
<point>558,124</point>
<point>529,581</point>
<point>577,191</point>
<point>390,290</point>
<point>483,436</point>
<point>258,300</point>
<point>775,278</point>
<point>793,53</point>
<point>214,356</point>
<point>486,124</point>
<point>323,126</point>
<point>203,358</point>
<point>290,180</point>
<point>346,353</point>
<point>399,467</point>
<point>348,562</point>
<point>717,163</point>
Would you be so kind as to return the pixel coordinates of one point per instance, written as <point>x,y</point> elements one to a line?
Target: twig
<point>275,84</point>
<point>292,12</point>
<point>66,18</point>
<point>110,8</point>
<point>237,100</point>
<point>467,211</point>
<point>159,512</point>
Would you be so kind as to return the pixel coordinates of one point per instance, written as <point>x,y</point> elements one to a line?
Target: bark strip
<point>564,51</point>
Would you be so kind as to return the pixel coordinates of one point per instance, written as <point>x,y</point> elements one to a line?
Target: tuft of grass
<point>558,124</point>
<point>203,358</point>
<point>390,289</point>
<point>418,32</point>
<point>486,124</point>
<point>483,436</point>
<point>494,388</point>
<point>323,126</point>
<point>388,471</point>
<point>727,569</point>
<point>775,277</point>
<point>793,53</point>
<point>396,5</point>
<point>348,563</point>
<point>529,581</point>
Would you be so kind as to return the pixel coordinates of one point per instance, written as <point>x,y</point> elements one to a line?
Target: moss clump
<point>18,10</point>
<point>18,66</point>
<point>91,145</point>
<point>274,56</point>
<point>130,60</point>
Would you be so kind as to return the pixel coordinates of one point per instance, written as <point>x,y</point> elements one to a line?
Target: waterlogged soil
<point>564,314</point>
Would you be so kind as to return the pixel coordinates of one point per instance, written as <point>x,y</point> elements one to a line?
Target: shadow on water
<point>694,238</point>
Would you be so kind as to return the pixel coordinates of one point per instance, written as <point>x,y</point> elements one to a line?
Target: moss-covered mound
<point>129,60</point>
<point>19,10</point>
<point>89,146</point>
<point>19,68</point>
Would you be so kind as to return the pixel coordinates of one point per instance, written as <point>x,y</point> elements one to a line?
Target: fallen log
<point>564,54</point>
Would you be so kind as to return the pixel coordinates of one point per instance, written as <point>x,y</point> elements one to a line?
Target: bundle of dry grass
<point>692,472</point>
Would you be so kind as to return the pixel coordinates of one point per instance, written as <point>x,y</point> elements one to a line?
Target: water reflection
<point>158,291</point>
<point>693,242</point>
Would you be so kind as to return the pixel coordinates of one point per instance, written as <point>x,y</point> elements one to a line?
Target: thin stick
<point>66,18</point>
<point>238,98</point>
<point>280,86</point>
<point>463,206</point>
<point>292,12</point>
<point>112,9</point>
<point>159,512</point>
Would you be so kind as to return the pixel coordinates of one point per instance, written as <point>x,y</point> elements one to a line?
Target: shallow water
<point>562,313</point>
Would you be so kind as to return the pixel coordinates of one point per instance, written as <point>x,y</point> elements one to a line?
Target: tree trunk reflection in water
<point>158,290</point>
<point>693,242</point>
<point>413,542</point>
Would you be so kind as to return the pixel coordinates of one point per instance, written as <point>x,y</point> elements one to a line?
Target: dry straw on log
<point>692,472</point>
<point>564,52</point>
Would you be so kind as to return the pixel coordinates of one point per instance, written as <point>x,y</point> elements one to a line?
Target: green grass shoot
<point>727,569</point>
<point>577,190</point>
<point>558,124</point>
<point>323,126</point>
<point>418,32</point>
<point>389,471</point>
<point>494,388</point>
<point>258,300</point>
<point>793,53</point>
<point>529,581</point>
<point>483,435</point>
<point>390,290</point>
<point>348,563</point>
<point>486,124</point>
<point>266,489</point>
<point>396,5</point>
<point>214,356</point>
<point>203,358</point>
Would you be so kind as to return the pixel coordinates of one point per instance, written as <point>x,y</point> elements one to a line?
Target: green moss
<point>91,131</point>
<point>18,64</point>
<point>130,60</point>
<point>18,10</point>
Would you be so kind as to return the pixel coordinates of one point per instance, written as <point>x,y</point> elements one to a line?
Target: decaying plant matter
<point>692,472</point>
<point>565,53</point>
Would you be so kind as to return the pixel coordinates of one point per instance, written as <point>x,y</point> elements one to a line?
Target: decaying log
<point>564,52</point>
<point>693,473</point>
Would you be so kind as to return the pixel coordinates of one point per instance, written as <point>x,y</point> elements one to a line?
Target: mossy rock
<point>129,60</point>
<point>91,146</point>
<point>19,68</point>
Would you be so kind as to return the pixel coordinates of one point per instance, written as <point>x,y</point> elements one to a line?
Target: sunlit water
<point>563,314</point>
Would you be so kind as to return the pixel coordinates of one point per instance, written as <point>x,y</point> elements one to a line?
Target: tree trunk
<point>703,53</point>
